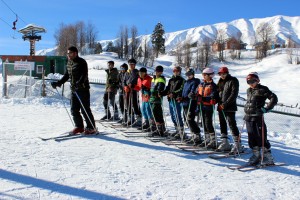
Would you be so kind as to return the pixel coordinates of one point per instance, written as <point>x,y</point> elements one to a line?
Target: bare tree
<point>134,41</point>
<point>187,54</point>
<point>220,42</point>
<point>120,43</point>
<point>81,36</point>
<point>126,46</point>
<point>203,54</point>
<point>179,54</point>
<point>91,34</point>
<point>264,35</point>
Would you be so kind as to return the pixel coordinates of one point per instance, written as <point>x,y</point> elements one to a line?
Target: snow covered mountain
<point>284,27</point>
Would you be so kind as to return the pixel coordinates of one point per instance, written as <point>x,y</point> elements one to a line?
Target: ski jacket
<point>144,85</point>
<point>175,86</point>
<point>131,77</point>
<point>208,94</point>
<point>228,92</point>
<point>157,86</point>
<point>112,78</point>
<point>121,81</point>
<point>256,99</point>
<point>77,72</point>
<point>189,86</point>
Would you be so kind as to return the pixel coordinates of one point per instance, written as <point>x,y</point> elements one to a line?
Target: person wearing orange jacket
<point>144,85</point>
<point>207,98</point>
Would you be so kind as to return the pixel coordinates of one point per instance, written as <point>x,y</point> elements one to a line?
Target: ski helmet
<point>209,71</point>
<point>223,70</point>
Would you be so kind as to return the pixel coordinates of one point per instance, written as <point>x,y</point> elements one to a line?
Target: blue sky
<point>109,15</point>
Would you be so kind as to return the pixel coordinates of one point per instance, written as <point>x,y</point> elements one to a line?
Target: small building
<point>230,43</point>
<point>48,64</point>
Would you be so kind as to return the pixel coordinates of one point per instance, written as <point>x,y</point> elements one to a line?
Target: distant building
<point>49,64</point>
<point>230,43</point>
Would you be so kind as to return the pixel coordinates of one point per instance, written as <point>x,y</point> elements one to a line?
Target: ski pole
<point>214,113</point>
<point>108,100</point>
<point>262,138</point>
<point>203,124</point>
<point>153,118</point>
<point>65,107</point>
<point>163,110</point>
<point>84,109</point>
<point>177,118</point>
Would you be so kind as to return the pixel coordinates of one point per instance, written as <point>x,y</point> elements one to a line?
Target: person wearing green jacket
<point>111,88</point>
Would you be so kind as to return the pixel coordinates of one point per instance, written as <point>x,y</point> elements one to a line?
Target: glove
<point>191,95</point>
<point>145,88</point>
<point>212,102</point>
<point>127,89</point>
<point>55,84</point>
<point>199,100</point>
<point>220,107</point>
<point>179,99</point>
<point>264,110</point>
<point>170,95</point>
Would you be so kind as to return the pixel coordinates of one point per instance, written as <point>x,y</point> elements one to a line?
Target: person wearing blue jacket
<point>189,104</point>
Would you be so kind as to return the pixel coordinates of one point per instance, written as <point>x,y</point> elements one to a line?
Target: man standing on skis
<point>189,104</point>
<point>144,85</point>
<point>228,87</point>
<point>111,89</point>
<point>207,98</point>
<point>77,72</point>
<point>156,100</point>
<point>173,91</point>
<point>255,109</point>
<point>133,107</point>
<point>122,95</point>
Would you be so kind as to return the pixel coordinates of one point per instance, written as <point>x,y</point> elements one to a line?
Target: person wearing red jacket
<point>144,85</point>
<point>207,98</point>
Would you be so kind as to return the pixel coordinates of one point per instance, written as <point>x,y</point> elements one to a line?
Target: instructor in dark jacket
<point>77,72</point>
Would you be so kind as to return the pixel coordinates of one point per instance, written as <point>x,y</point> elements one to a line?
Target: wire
<point>5,22</point>
<point>13,12</point>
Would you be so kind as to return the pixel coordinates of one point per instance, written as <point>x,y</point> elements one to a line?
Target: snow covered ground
<point>115,167</point>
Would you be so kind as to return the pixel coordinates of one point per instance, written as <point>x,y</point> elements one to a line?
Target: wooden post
<point>43,84</point>
<point>4,76</point>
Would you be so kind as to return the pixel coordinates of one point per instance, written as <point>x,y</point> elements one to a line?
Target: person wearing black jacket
<point>255,109</point>
<point>77,72</point>
<point>111,89</point>
<point>132,97</point>
<point>228,87</point>
<point>172,91</point>
<point>122,96</point>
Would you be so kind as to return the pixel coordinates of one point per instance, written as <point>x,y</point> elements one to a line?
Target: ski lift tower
<point>30,32</point>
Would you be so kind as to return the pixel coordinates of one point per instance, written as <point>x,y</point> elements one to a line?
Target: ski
<point>137,134</point>
<point>156,139</point>
<point>221,155</point>
<point>248,167</point>
<point>259,166</point>
<point>64,135</point>
<point>69,136</point>
<point>173,142</point>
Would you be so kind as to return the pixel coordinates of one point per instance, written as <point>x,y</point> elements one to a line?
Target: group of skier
<point>187,100</point>
<point>190,99</point>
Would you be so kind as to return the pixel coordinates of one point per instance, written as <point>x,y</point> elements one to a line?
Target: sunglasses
<point>251,81</point>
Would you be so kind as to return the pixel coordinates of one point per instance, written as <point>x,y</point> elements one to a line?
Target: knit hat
<point>143,69</point>
<point>253,76</point>
<point>190,72</point>
<point>223,70</point>
<point>124,66</point>
<point>159,68</point>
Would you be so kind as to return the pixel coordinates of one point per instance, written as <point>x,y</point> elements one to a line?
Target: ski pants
<point>175,111</point>
<point>230,117</point>
<point>132,101</point>
<point>256,129</point>
<point>208,120</point>
<point>158,113</point>
<point>121,101</point>
<point>112,97</point>
<point>76,107</point>
<point>146,110</point>
<point>190,115</point>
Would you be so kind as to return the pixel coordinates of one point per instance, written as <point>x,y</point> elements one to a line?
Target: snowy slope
<point>116,167</point>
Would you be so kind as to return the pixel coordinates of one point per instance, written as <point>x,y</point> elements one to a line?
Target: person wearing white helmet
<point>207,98</point>
<point>228,87</point>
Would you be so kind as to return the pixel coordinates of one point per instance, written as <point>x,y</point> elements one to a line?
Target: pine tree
<point>158,40</point>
